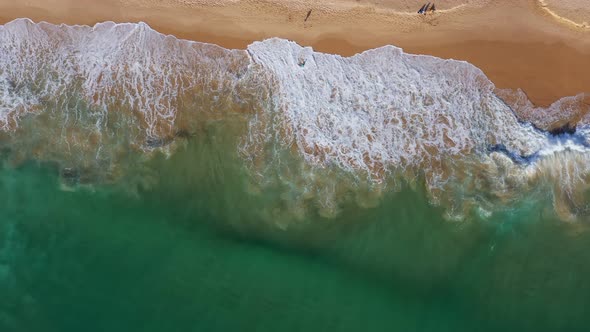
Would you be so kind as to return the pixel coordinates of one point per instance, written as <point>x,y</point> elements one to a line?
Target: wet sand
<point>572,12</point>
<point>517,43</point>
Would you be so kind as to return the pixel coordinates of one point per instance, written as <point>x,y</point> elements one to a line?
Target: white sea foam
<point>384,111</point>
<point>375,116</point>
<point>112,65</point>
<point>386,107</point>
<point>571,110</point>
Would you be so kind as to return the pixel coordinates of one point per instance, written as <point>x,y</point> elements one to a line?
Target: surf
<point>319,126</point>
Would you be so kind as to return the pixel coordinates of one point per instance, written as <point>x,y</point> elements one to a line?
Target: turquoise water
<point>149,183</point>
<point>188,254</point>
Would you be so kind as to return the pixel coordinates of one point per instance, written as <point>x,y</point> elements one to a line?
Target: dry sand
<point>517,43</point>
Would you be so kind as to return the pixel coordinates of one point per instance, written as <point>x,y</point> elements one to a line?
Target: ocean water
<point>155,184</point>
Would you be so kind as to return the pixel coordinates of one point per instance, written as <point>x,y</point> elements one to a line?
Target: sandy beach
<point>519,44</point>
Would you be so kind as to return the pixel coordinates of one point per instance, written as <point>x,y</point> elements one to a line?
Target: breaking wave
<point>319,128</point>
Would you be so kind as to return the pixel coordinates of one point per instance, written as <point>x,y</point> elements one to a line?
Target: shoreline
<point>553,11</point>
<point>526,48</point>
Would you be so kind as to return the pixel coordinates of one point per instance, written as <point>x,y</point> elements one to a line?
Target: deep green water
<point>188,253</point>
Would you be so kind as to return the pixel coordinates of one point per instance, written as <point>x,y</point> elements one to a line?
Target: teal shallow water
<point>189,254</point>
<point>149,183</point>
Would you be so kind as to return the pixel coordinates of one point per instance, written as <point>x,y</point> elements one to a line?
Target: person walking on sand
<point>423,8</point>
<point>427,8</point>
